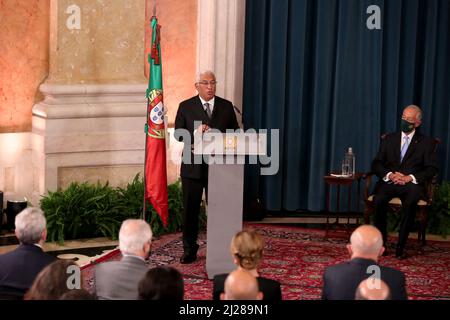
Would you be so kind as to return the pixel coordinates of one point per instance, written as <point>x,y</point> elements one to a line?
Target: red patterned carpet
<point>297,257</point>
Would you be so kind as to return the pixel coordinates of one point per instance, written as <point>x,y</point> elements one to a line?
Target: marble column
<point>90,126</point>
<point>220,47</point>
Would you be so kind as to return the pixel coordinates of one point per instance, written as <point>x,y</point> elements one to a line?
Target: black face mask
<point>407,126</point>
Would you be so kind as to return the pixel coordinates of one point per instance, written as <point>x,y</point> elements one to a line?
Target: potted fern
<point>86,210</point>
<point>439,216</point>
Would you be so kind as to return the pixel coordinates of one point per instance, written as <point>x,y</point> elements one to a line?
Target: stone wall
<point>24,35</point>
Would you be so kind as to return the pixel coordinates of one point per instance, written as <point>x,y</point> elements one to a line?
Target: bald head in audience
<point>373,289</point>
<point>241,285</point>
<point>366,242</point>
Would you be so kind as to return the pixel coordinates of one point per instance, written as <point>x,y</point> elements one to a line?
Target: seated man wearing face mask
<point>404,162</point>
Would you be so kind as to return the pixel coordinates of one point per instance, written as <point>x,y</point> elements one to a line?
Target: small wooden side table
<point>338,182</point>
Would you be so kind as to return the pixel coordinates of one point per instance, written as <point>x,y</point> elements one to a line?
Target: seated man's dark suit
<point>341,281</point>
<point>194,177</point>
<point>420,161</point>
<point>270,288</point>
<point>19,268</point>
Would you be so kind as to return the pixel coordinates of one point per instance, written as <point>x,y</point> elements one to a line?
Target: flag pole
<point>144,207</point>
<point>144,210</point>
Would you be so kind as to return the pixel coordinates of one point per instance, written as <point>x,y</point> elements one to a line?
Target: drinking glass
<point>345,167</point>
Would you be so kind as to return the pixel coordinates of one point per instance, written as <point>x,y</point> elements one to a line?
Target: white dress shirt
<point>211,103</point>
<point>211,107</point>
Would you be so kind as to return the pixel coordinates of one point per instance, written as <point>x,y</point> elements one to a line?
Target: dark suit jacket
<point>119,280</point>
<point>19,268</point>
<point>341,281</point>
<point>420,159</point>
<point>223,117</point>
<point>270,288</point>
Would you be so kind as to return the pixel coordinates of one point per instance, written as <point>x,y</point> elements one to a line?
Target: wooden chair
<point>395,205</point>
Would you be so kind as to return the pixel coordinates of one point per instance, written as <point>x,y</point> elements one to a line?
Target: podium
<point>226,154</point>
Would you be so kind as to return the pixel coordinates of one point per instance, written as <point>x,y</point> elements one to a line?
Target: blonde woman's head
<point>246,248</point>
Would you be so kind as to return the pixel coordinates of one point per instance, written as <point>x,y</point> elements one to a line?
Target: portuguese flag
<point>155,147</point>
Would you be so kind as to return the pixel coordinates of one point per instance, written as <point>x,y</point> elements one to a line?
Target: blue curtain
<point>316,72</point>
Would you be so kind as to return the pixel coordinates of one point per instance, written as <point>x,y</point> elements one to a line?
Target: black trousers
<point>192,198</point>
<point>409,194</point>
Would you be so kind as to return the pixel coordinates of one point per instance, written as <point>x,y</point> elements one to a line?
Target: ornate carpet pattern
<point>297,257</point>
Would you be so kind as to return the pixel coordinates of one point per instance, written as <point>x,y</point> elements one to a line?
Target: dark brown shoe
<point>188,258</point>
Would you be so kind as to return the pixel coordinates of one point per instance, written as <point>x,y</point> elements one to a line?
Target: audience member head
<point>31,226</point>
<point>53,281</point>
<point>77,294</point>
<point>247,248</point>
<point>373,289</point>
<point>241,285</point>
<point>162,283</point>
<point>135,237</point>
<point>411,118</point>
<point>366,242</point>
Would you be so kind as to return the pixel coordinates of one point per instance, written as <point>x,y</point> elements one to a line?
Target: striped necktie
<point>208,110</point>
<point>404,147</point>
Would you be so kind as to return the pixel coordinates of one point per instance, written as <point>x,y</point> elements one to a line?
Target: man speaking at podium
<point>215,113</point>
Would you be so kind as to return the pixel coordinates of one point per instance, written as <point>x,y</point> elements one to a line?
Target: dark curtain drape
<point>316,72</point>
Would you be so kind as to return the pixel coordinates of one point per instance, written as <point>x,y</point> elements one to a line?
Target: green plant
<point>175,207</point>
<point>439,215</point>
<point>393,222</point>
<point>202,220</point>
<point>83,210</point>
<point>86,210</point>
<point>133,198</point>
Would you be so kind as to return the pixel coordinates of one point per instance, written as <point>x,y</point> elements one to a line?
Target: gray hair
<point>201,73</point>
<point>133,235</point>
<point>419,111</point>
<point>30,224</point>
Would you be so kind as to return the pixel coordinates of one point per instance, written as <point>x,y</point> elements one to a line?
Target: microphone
<point>237,110</point>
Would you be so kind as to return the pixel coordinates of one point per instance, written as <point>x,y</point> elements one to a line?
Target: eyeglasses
<point>206,83</point>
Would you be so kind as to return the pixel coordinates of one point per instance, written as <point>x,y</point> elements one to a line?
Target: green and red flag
<point>155,146</point>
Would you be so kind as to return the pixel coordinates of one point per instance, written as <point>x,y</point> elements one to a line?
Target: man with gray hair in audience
<point>241,285</point>
<point>366,246</point>
<point>19,268</point>
<point>118,280</point>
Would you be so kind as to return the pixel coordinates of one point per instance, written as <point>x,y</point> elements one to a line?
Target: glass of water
<point>346,167</point>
